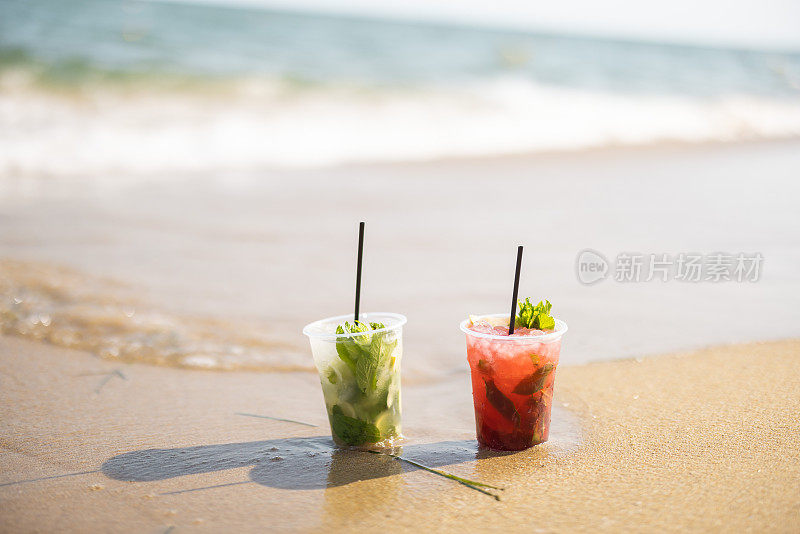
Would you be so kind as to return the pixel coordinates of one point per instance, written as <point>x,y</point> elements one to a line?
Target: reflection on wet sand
<point>342,506</point>
<point>289,463</point>
<point>359,487</point>
<point>317,463</point>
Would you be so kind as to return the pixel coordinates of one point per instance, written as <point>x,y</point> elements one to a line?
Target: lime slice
<point>492,321</point>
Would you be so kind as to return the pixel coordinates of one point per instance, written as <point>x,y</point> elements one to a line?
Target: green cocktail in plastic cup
<point>359,369</point>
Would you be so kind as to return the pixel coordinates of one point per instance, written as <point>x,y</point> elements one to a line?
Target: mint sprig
<point>472,484</point>
<point>363,384</point>
<point>365,354</point>
<point>537,316</point>
<point>357,327</point>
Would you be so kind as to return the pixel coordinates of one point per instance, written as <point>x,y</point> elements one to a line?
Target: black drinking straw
<point>516,291</point>
<point>358,266</point>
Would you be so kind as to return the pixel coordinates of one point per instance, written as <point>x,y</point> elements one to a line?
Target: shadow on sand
<point>290,463</point>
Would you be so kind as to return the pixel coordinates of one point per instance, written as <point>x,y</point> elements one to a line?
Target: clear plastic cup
<point>512,385</point>
<point>360,377</point>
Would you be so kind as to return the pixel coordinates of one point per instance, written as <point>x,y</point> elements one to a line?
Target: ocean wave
<point>62,307</point>
<point>107,128</point>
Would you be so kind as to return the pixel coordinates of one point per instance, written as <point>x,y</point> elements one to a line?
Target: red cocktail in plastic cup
<point>512,381</point>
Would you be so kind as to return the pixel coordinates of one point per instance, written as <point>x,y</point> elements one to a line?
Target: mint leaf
<point>501,403</point>
<point>537,434</point>
<point>366,355</point>
<point>545,322</point>
<point>544,308</point>
<point>538,316</point>
<point>332,377</point>
<point>366,368</point>
<point>374,360</point>
<point>525,316</point>
<point>347,350</point>
<point>352,431</point>
<point>535,381</point>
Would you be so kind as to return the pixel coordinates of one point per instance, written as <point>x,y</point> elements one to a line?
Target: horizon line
<point>490,26</point>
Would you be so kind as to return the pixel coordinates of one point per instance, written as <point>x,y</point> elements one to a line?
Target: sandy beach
<point>152,336</point>
<point>703,440</point>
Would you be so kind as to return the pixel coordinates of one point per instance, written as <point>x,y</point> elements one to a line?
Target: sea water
<point>157,87</point>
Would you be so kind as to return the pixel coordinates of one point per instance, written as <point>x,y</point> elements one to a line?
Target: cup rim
<point>307,329</point>
<point>557,333</point>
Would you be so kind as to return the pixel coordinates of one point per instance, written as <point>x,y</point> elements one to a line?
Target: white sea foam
<point>260,126</point>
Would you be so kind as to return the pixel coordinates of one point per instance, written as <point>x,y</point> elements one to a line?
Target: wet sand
<point>704,440</point>
<point>247,259</point>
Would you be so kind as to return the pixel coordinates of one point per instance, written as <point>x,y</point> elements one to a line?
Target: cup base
<point>385,445</point>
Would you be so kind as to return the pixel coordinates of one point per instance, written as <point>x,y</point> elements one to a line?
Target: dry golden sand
<point>707,440</point>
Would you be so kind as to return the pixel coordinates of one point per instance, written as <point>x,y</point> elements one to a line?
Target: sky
<point>768,24</point>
